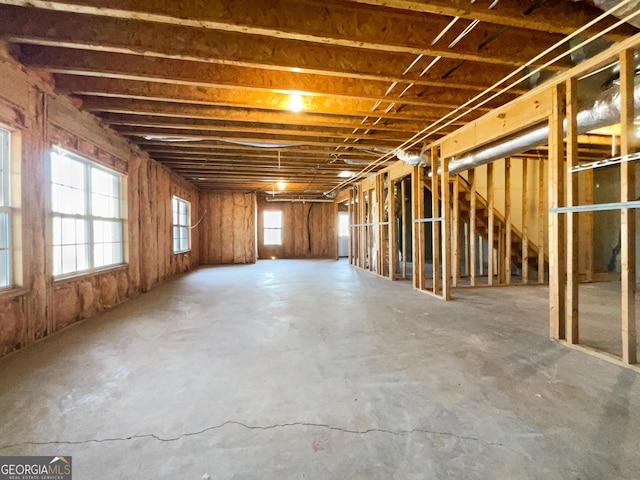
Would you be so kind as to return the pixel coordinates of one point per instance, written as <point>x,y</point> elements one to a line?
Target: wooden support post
<point>403,193</point>
<point>490,224</point>
<point>557,264</point>
<point>586,227</point>
<point>445,227</point>
<point>455,233</point>
<point>381,251</point>
<point>350,219</point>
<point>542,219</point>
<point>472,229</point>
<point>370,219</point>
<point>435,226</point>
<point>573,271</point>
<point>525,225</point>
<point>363,229</point>
<point>628,216</point>
<point>480,256</point>
<point>507,220</point>
<point>465,229</point>
<point>417,208</point>
<point>393,241</point>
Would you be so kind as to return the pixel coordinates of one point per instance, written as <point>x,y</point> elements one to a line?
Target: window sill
<point>74,277</point>
<point>11,293</point>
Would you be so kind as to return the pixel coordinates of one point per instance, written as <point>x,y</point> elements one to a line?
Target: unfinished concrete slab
<point>313,370</point>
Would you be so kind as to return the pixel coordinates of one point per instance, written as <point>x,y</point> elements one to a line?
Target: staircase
<point>482,226</point>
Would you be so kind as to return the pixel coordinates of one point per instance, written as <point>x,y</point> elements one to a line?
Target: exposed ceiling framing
<point>216,78</point>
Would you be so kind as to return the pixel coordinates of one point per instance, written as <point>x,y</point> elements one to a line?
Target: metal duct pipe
<point>604,112</point>
<point>299,200</point>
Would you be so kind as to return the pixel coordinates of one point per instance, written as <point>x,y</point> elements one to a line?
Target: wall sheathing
<point>40,306</point>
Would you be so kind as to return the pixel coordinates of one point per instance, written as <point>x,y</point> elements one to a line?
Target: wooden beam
<point>182,72</point>
<point>507,221</point>
<point>393,241</point>
<point>339,25</point>
<point>100,33</point>
<point>525,223</point>
<point>321,116</point>
<point>417,207</point>
<point>586,227</point>
<point>403,194</point>
<point>445,226</point>
<point>523,112</point>
<point>628,216</point>
<point>455,232</point>
<point>542,218</point>
<point>562,18</point>
<point>435,226</point>
<point>557,264</point>
<point>490,224</point>
<point>472,227</point>
<point>572,227</point>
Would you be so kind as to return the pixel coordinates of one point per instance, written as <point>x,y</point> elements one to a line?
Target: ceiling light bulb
<point>281,185</point>
<point>295,103</point>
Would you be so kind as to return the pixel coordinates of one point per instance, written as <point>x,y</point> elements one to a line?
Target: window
<point>343,224</point>
<point>272,227</point>
<point>5,208</point>
<point>181,225</point>
<point>86,202</point>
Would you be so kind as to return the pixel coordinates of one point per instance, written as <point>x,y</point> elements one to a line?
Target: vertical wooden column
<point>403,192</point>
<point>351,222</point>
<point>628,216</point>
<point>472,228</point>
<point>467,250</point>
<point>446,228</point>
<point>370,225</point>
<point>490,224</point>
<point>435,226</point>
<point>542,219</point>
<point>417,209</point>
<point>557,264</point>
<point>525,225</point>
<point>393,242</point>
<point>381,251</point>
<point>507,220</point>
<point>363,229</point>
<point>586,227</point>
<point>455,232</point>
<point>573,273</point>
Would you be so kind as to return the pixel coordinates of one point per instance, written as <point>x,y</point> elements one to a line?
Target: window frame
<point>6,208</point>
<point>89,218</point>
<point>266,228</point>
<point>181,227</point>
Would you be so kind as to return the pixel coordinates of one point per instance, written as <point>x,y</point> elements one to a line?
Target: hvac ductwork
<point>604,112</point>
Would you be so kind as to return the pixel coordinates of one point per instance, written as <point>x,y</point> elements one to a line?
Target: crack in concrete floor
<point>261,427</point>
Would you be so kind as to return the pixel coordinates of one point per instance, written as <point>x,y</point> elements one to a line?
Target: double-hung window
<point>87,215</point>
<point>181,225</point>
<point>5,209</point>
<point>272,227</point>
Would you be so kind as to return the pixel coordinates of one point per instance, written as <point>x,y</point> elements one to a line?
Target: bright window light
<point>295,103</point>
<point>343,224</point>
<point>272,227</point>
<point>87,220</point>
<point>181,210</point>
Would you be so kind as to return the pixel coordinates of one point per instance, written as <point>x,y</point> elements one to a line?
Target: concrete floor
<point>316,370</point>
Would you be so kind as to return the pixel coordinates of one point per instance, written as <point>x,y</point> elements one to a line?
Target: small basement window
<point>181,225</point>
<point>272,227</point>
